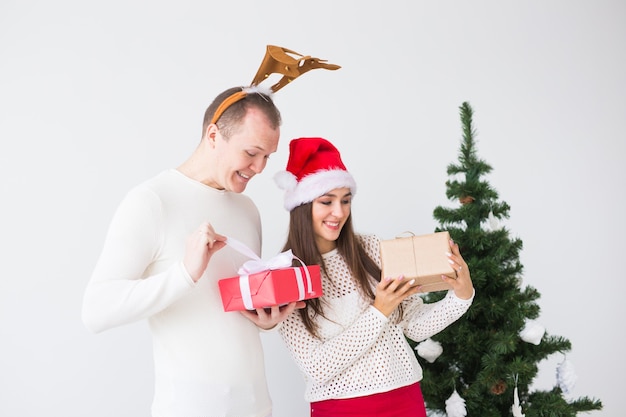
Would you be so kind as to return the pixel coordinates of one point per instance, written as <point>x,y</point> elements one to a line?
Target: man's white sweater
<point>208,363</point>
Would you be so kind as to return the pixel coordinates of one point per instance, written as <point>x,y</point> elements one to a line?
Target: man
<point>165,251</point>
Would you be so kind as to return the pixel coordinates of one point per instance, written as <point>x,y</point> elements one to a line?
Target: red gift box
<point>270,288</point>
<point>262,284</point>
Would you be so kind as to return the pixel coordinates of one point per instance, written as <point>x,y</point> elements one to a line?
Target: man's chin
<point>240,184</point>
<point>239,187</point>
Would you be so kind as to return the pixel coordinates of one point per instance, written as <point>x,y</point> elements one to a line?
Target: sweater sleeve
<point>322,360</point>
<point>419,320</point>
<point>422,320</point>
<point>122,289</point>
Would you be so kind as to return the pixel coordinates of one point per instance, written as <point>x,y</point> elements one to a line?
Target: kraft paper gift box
<point>422,258</point>
<point>262,284</point>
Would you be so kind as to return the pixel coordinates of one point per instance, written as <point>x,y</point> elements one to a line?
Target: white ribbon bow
<point>256,265</point>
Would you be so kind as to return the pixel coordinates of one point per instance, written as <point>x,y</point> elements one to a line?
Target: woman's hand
<point>390,292</point>
<point>462,285</point>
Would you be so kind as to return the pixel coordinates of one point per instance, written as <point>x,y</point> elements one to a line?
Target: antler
<point>277,61</point>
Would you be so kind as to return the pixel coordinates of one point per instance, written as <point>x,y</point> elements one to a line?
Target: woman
<point>350,343</point>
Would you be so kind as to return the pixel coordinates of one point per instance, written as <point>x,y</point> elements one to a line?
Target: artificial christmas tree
<point>490,356</point>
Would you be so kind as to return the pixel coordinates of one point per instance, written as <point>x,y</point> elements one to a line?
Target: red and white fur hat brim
<point>312,186</point>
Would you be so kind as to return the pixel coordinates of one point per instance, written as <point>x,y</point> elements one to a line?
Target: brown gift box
<point>422,258</point>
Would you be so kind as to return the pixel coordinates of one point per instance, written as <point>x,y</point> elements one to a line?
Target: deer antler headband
<point>276,61</point>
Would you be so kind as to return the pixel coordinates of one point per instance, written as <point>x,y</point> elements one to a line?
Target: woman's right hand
<point>390,292</point>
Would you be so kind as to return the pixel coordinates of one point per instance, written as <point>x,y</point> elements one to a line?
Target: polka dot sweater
<point>360,351</point>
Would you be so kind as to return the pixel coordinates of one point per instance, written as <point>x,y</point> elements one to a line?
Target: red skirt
<point>402,402</point>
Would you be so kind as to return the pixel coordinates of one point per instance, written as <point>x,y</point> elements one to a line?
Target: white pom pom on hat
<point>314,168</point>
<point>285,180</point>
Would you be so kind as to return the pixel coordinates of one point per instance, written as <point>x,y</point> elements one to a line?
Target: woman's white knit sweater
<point>360,351</point>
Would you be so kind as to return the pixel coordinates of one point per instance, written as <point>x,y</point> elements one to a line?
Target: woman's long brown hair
<point>301,241</point>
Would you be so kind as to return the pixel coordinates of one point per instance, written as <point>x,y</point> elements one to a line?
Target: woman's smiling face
<point>330,212</point>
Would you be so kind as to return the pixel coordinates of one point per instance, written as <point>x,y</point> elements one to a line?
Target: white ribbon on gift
<point>256,265</point>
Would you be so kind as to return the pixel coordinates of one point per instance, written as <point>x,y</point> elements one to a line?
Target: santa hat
<point>314,168</point>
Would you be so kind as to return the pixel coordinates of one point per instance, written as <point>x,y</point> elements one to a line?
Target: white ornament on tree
<point>516,409</point>
<point>532,332</point>
<point>429,349</point>
<point>494,223</point>
<point>566,376</point>
<point>455,405</point>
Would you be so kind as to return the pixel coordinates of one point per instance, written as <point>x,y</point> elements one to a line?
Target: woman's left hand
<point>462,285</point>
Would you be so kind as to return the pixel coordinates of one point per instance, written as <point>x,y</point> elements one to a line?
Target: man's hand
<point>268,318</point>
<point>201,245</point>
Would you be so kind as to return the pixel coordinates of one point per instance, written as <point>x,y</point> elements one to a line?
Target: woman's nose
<point>337,210</point>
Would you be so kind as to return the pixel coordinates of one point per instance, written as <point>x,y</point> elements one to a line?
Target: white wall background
<point>98,96</point>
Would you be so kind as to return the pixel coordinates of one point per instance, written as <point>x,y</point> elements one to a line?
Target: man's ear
<point>211,133</point>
